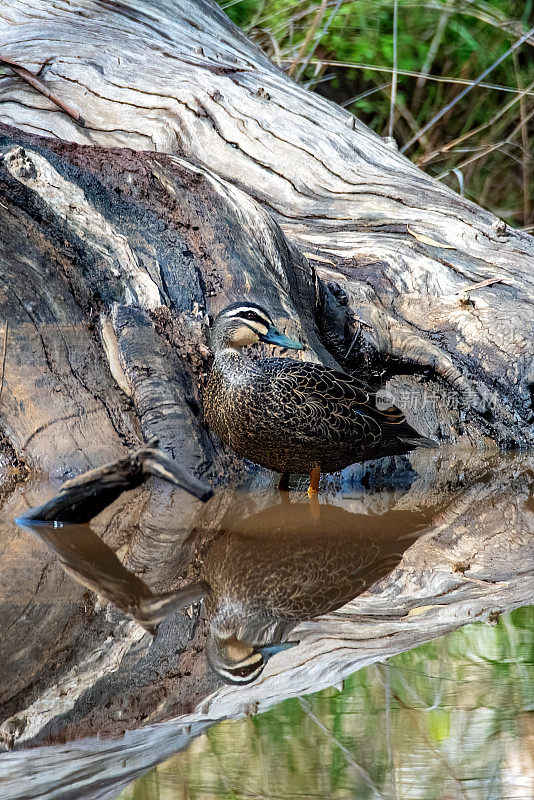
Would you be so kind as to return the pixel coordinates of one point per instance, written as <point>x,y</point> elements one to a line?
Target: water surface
<point>451,719</point>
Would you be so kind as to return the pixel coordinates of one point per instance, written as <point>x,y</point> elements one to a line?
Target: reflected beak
<point>163,467</point>
<point>269,650</point>
<point>273,336</point>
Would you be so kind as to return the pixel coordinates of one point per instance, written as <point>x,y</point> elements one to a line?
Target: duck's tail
<point>397,433</point>
<point>396,427</point>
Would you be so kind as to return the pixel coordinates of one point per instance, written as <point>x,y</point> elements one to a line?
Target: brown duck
<point>290,415</point>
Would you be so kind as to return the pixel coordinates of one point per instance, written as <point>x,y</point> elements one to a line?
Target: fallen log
<point>204,174</point>
<point>363,252</point>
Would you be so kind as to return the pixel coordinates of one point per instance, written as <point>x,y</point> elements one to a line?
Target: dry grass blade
<point>318,38</point>
<point>496,145</point>
<point>525,171</point>
<point>308,38</point>
<point>491,16</point>
<point>394,73</point>
<point>430,56</point>
<point>463,93</point>
<point>37,84</point>
<point>428,157</point>
<point>327,62</point>
<point>363,95</point>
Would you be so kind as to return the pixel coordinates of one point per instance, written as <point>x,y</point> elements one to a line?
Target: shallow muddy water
<point>267,645</point>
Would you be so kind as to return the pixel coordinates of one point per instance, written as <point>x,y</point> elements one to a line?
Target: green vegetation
<point>453,718</point>
<point>345,51</point>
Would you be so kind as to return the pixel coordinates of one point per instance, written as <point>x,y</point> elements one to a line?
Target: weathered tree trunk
<point>387,246</point>
<point>109,259</point>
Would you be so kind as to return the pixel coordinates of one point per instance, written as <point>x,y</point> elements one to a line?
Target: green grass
<point>486,137</point>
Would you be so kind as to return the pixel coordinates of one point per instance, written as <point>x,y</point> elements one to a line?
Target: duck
<point>293,416</point>
<point>260,576</point>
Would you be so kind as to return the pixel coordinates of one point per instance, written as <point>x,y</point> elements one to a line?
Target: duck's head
<point>239,662</point>
<point>247,323</point>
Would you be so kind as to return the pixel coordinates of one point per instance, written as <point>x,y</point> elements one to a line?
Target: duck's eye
<point>244,672</point>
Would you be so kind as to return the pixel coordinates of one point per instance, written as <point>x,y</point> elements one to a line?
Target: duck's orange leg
<point>315,474</point>
<point>315,508</point>
<point>283,483</point>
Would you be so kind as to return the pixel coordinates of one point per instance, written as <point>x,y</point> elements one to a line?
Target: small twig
<point>394,72</point>
<point>37,84</point>
<point>3,360</point>
<point>488,282</point>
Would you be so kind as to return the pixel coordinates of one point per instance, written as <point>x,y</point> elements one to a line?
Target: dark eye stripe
<point>240,680</point>
<point>243,672</point>
<point>251,314</point>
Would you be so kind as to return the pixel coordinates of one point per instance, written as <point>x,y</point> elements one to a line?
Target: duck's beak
<point>161,466</point>
<point>269,650</point>
<point>273,336</point>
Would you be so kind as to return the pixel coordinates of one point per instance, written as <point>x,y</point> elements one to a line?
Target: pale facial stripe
<point>237,312</point>
<point>254,658</point>
<point>244,335</point>
<point>256,326</point>
<point>251,667</point>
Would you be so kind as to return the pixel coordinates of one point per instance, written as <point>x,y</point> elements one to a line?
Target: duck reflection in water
<point>262,574</point>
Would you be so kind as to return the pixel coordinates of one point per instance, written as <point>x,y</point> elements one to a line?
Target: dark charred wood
<point>83,498</point>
